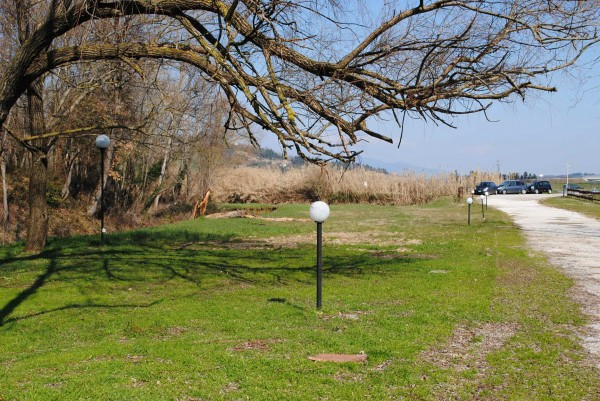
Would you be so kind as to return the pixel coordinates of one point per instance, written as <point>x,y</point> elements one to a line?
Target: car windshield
<point>505,183</point>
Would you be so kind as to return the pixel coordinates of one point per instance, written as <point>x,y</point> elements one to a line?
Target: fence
<point>593,196</point>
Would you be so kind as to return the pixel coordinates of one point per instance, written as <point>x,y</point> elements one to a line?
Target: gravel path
<point>571,241</point>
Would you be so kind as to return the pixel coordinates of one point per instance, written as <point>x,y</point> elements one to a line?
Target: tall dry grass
<point>332,184</point>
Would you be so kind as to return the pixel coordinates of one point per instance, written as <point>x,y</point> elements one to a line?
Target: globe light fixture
<point>102,142</point>
<point>319,212</point>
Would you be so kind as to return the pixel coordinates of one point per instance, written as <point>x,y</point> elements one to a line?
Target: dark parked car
<point>539,187</point>
<point>483,186</point>
<point>512,187</point>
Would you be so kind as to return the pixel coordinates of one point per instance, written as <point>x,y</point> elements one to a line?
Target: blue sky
<point>539,135</point>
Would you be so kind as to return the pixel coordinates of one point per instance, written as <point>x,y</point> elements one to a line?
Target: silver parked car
<point>512,187</point>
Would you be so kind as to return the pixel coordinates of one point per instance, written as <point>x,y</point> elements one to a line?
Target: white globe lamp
<point>319,211</point>
<point>102,142</point>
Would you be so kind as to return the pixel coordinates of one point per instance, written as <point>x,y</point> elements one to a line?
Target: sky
<point>540,135</point>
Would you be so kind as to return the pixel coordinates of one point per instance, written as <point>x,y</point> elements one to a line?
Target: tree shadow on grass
<point>26,293</point>
<point>158,258</point>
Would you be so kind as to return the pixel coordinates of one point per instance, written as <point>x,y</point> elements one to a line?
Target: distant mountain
<point>264,157</point>
<point>572,175</point>
<point>399,167</point>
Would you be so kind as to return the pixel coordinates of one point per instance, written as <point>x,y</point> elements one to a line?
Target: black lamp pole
<point>469,218</point>
<point>102,195</point>
<point>319,212</point>
<point>102,143</point>
<point>482,211</point>
<point>319,265</point>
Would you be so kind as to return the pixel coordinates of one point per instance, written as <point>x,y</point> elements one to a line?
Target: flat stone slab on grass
<point>339,358</point>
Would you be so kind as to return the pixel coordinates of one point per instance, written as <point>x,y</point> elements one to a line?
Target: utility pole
<point>567,186</point>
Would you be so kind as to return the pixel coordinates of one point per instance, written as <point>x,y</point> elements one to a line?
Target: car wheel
<point>504,192</point>
<point>524,192</point>
<point>549,191</point>
<point>537,191</point>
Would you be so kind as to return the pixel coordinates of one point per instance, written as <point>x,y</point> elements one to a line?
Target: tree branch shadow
<point>79,306</point>
<point>28,292</point>
<point>159,258</point>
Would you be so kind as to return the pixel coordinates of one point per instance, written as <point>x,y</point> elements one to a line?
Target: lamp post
<point>319,212</point>
<point>469,202</point>
<point>482,211</point>
<point>567,186</point>
<point>102,143</point>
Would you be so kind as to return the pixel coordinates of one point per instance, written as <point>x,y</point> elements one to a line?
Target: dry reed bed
<point>332,184</point>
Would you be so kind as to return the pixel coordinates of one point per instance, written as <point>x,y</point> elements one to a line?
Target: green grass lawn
<point>591,209</point>
<point>224,309</point>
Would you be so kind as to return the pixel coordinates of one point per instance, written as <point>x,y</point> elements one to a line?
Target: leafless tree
<point>315,73</point>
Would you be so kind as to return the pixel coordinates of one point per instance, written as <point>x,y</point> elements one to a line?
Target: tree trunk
<point>4,191</point>
<point>37,225</point>
<point>4,183</point>
<point>163,171</point>
<point>66,189</point>
<point>144,176</point>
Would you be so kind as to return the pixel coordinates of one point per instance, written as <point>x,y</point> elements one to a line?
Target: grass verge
<point>591,209</point>
<point>223,309</point>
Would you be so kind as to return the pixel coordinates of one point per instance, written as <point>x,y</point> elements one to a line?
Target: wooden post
<point>204,203</point>
<point>200,207</point>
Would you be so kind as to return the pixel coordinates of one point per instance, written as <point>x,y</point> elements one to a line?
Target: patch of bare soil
<point>345,238</point>
<point>135,358</point>
<point>284,219</point>
<point>230,387</point>
<point>355,315</point>
<point>382,366</point>
<point>380,238</point>
<point>339,358</point>
<point>256,345</point>
<point>349,377</point>
<point>137,382</point>
<point>467,349</point>
<point>251,213</point>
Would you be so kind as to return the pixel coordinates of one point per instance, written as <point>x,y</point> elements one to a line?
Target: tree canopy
<point>317,73</point>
